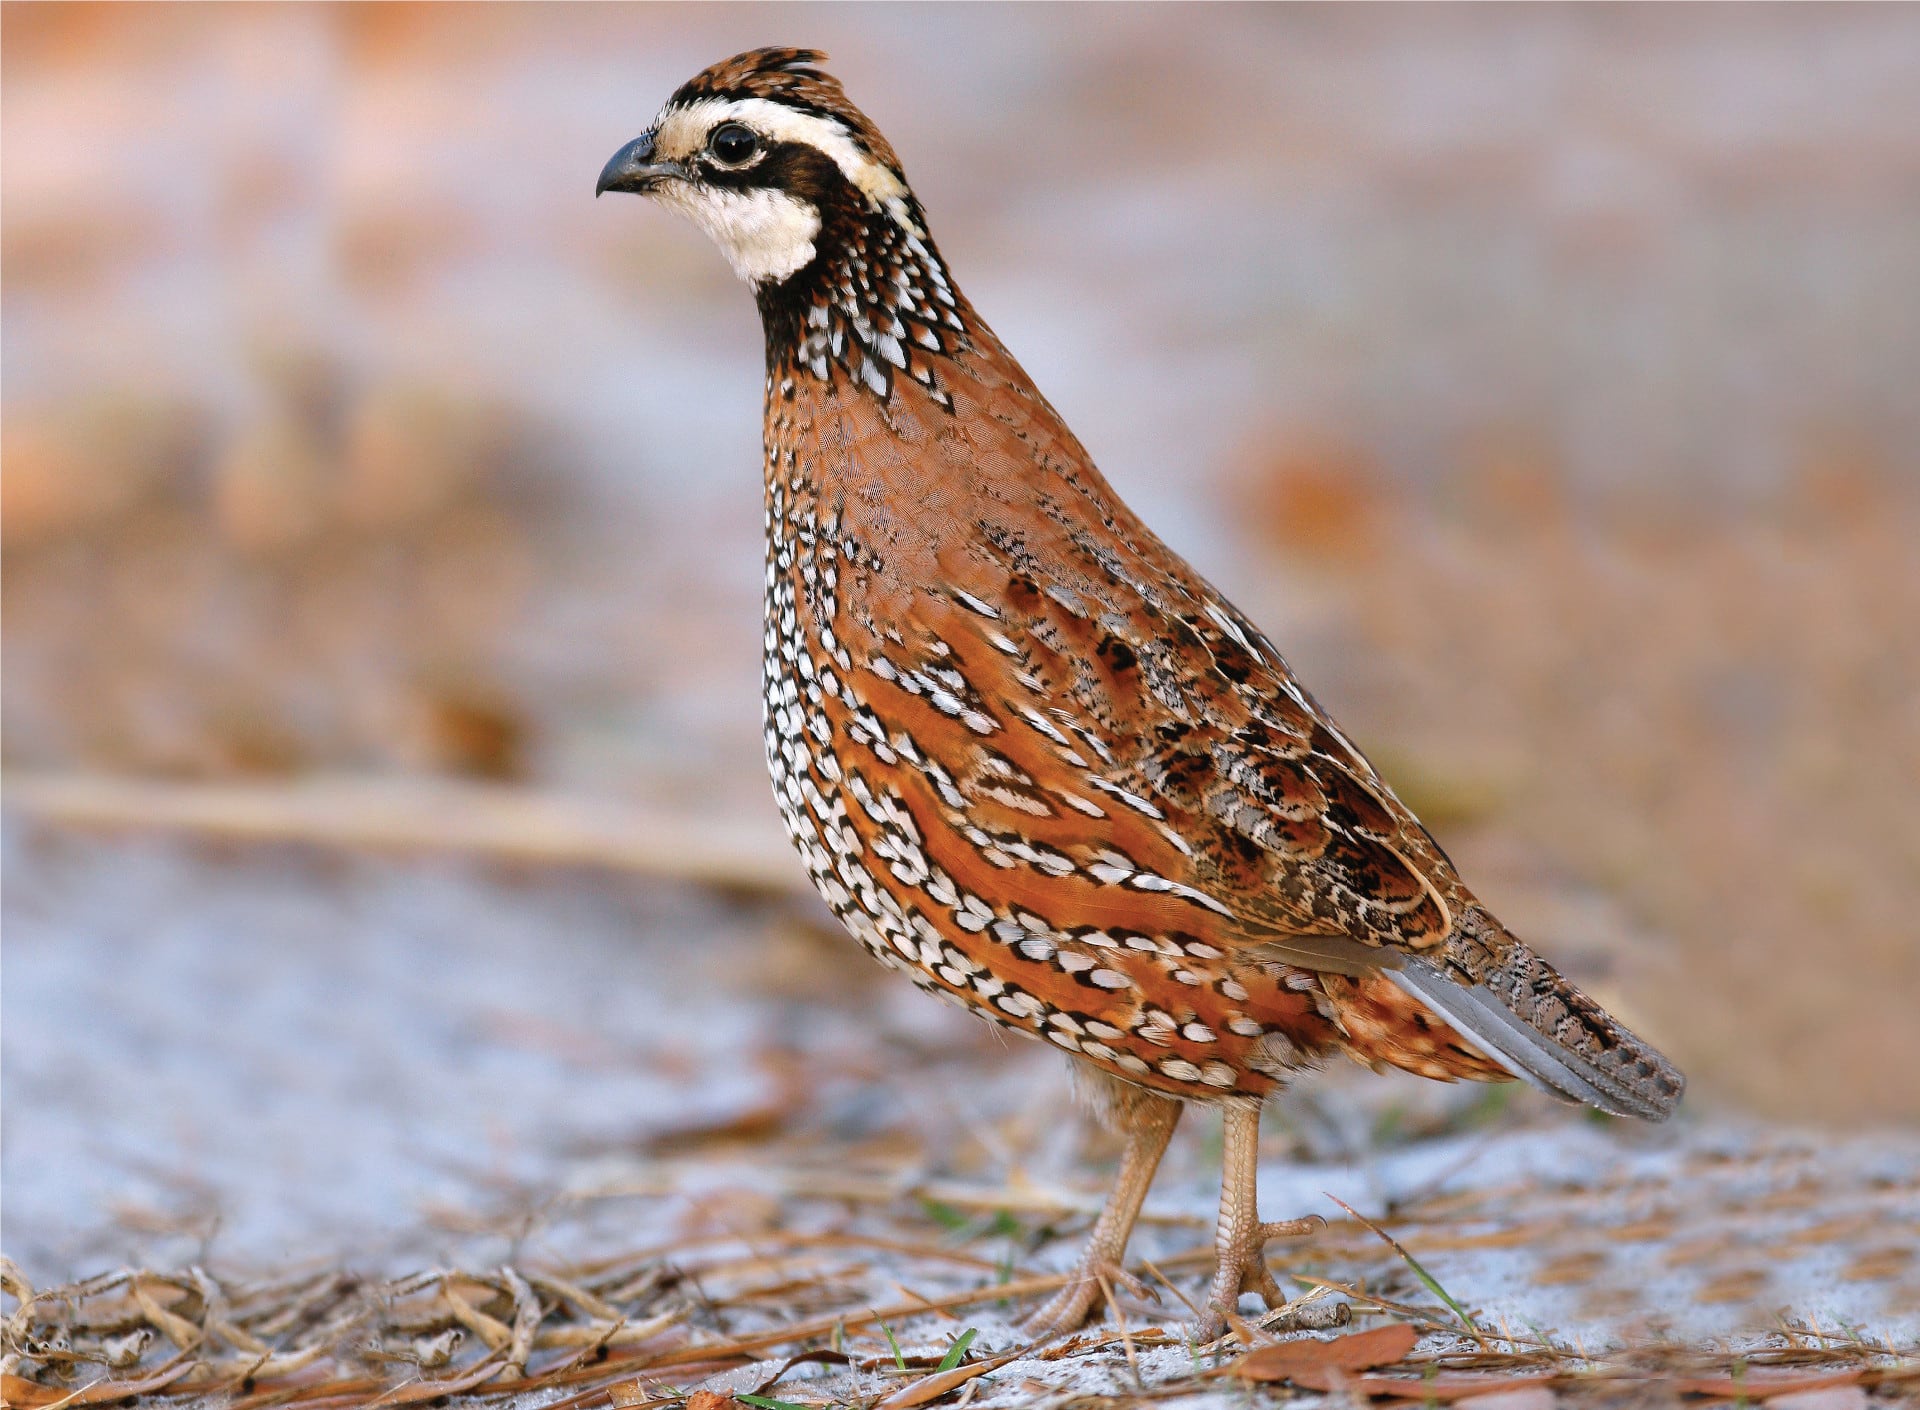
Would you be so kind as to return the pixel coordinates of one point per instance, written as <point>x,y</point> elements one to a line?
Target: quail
<point>1033,760</point>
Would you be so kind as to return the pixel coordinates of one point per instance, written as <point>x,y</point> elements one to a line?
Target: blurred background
<point>1543,380</point>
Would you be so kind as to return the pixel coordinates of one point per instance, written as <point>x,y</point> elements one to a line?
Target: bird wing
<point>1223,784</point>
<point>1131,688</point>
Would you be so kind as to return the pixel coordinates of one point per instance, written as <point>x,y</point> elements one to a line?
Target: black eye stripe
<point>795,168</point>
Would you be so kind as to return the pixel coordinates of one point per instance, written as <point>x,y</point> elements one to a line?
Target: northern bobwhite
<point>1030,757</point>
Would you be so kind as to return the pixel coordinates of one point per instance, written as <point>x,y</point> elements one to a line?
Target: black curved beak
<point>634,169</point>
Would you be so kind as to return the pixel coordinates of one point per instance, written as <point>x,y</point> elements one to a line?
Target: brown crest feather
<point>789,76</point>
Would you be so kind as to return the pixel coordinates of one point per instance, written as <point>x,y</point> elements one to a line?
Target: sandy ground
<point>254,1059</point>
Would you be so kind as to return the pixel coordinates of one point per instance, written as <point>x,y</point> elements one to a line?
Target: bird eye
<point>733,144</point>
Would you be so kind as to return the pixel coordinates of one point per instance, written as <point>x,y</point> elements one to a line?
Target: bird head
<point>765,153</point>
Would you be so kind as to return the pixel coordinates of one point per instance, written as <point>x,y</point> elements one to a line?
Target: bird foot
<point>1243,1269</point>
<point>1068,1309</point>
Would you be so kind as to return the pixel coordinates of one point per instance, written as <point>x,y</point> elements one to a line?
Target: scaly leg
<point>1147,1119</point>
<point>1240,1239</point>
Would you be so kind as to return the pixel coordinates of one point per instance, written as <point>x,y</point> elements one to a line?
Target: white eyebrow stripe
<point>682,129</point>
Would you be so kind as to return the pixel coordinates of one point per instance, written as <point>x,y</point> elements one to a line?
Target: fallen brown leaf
<point>625,1393</point>
<point>1519,1398</point>
<point>1308,1361</point>
<point>1442,1389</point>
<point>930,1388</point>
<point>413,1392</point>
<point>1757,1385</point>
<point>23,1392</point>
<point>1826,1398</point>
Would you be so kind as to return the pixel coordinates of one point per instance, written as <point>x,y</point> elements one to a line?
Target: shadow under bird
<point>1032,759</point>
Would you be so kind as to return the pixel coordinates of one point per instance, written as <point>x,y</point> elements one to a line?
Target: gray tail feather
<point>1515,1006</point>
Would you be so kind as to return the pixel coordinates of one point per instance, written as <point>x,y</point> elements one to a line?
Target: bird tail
<point>1516,1007</point>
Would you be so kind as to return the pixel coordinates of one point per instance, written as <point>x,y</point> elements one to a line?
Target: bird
<point>1033,760</point>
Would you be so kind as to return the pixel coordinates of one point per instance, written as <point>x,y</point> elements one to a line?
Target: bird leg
<point>1240,1239</point>
<point>1147,1120</point>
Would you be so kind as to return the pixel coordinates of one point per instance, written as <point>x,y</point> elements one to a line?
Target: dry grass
<point>653,1327</point>
<point>816,1278</point>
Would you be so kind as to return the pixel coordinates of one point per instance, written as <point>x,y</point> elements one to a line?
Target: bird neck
<point>874,304</point>
<point>872,342</point>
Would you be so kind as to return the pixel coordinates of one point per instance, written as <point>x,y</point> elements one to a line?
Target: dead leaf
<point>1307,1362</point>
<point>1758,1385</point>
<point>731,1209</point>
<point>1505,1392</point>
<point>930,1388</point>
<point>413,1392</point>
<point>1518,1398</point>
<point>643,1392</point>
<point>23,1392</point>
<point>1827,1398</point>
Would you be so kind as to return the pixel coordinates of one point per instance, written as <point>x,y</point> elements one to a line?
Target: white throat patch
<point>679,133</point>
<point>765,235</point>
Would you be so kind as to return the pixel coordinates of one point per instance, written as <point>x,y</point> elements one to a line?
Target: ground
<point>414,1122</point>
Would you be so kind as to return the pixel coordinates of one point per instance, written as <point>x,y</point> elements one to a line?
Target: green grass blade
<point>1433,1283</point>
<point>957,1352</point>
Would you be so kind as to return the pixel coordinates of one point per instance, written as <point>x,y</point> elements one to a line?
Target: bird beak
<point>634,169</point>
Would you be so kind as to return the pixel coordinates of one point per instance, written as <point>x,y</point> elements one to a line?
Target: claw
<point>1292,1228</point>
<point>1120,1277</point>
